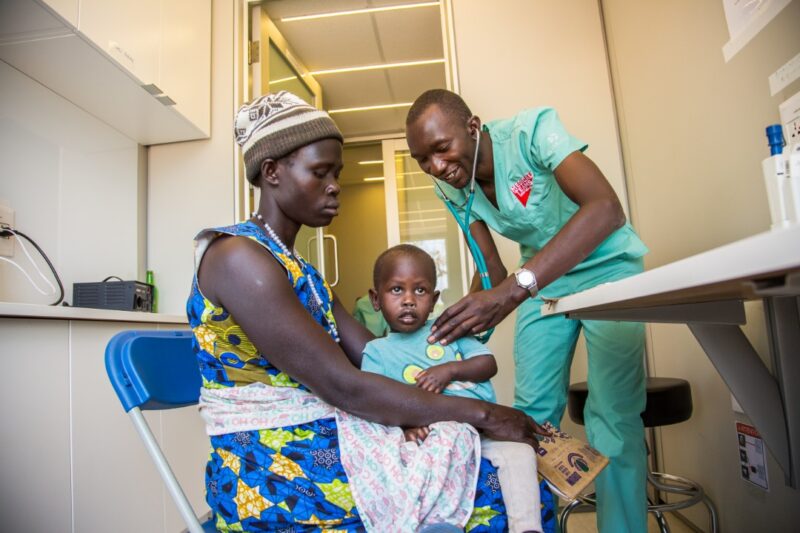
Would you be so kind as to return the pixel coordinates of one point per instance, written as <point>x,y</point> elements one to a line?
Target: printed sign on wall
<point>752,456</point>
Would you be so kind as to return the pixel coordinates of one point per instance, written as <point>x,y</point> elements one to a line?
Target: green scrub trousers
<point>543,356</point>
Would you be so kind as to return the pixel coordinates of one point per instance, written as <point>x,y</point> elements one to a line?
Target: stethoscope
<point>475,250</point>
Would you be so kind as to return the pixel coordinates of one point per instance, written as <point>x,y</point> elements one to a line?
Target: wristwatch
<point>527,280</point>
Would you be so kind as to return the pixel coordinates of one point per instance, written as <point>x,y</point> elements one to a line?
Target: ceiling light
<point>422,220</point>
<point>379,178</point>
<point>282,80</point>
<point>376,67</point>
<point>371,162</point>
<point>415,188</point>
<point>358,11</point>
<point>367,108</point>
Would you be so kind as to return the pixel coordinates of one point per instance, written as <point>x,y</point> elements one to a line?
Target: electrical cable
<point>30,279</point>
<point>18,234</point>
<point>35,266</point>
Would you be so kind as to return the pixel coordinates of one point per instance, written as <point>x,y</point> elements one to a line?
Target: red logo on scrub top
<point>522,188</point>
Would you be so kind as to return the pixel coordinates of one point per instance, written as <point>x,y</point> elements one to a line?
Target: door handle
<point>335,258</point>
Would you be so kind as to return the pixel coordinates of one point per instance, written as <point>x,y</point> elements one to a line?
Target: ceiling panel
<point>410,35</point>
<point>333,43</point>
<point>408,83</point>
<point>278,9</point>
<point>355,89</point>
<point>361,40</point>
<point>372,122</point>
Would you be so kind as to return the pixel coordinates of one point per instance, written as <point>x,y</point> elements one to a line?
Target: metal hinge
<point>253,52</point>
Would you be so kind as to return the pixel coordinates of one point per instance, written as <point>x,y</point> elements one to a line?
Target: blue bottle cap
<point>775,139</point>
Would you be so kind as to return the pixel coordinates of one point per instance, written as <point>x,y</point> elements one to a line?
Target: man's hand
<point>477,312</point>
<point>436,378</point>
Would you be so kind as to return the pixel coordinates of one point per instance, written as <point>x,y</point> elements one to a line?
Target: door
<point>415,215</point>
<point>273,68</point>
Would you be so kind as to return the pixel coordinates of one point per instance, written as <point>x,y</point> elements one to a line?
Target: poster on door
<point>752,456</point>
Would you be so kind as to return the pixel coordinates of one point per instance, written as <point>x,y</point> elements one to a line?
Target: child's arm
<point>476,369</point>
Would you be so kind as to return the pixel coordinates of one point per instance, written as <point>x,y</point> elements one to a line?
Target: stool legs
<point>565,512</point>
<point>692,491</point>
<point>661,520</point>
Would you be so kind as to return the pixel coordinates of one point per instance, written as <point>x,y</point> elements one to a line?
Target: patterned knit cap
<point>275,125</point>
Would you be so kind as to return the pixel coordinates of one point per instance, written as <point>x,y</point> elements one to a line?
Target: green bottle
<point>149,280</point>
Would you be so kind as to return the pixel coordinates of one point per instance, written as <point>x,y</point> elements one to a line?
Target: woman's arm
<point>354,336</point>
<point>599,214</point>
<point>238,274</point>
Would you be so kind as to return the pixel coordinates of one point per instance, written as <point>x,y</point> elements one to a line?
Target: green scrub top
<point>527,148</point>
<point>371,319</point>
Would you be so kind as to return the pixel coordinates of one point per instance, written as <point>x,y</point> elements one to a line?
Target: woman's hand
<point>436,378</point>
<point>477,312</point>
<point>507,423</point>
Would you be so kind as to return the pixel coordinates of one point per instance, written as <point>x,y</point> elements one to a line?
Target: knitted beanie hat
<point>275,125</point>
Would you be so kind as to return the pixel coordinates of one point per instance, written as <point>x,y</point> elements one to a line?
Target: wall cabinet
<point>142,66</point>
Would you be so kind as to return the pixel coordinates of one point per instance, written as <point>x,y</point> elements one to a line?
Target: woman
<point>277,350</point>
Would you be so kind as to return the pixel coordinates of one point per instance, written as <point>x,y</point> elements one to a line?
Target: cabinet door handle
<point>166,100</point>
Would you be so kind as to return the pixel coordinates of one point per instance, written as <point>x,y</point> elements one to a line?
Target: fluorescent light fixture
<point>376,67</point>
<point>283,80</point>
<point>417,211</point>
<point>358,11</point>
<point>368,108</point>
<point>422,220</point>
<point>378,178</point>
<point>415,188</point>
<point>371,162</point>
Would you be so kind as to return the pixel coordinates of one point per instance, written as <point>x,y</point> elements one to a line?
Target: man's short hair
<point>388,257</point>
<point>449,102</point>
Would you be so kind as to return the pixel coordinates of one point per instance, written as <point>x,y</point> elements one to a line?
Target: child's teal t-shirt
<point>400,356</point>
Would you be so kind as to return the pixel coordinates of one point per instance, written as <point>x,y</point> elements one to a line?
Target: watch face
<point>525,278</point>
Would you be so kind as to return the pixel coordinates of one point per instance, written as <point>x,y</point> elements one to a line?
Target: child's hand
<point>436,378</point>
<point>416,434</point>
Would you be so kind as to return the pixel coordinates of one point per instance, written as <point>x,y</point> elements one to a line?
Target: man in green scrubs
<point>535,186</point>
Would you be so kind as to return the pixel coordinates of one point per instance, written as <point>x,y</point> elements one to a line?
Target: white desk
<point>707,292</point>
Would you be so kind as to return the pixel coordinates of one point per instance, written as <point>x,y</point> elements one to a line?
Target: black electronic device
<point>118,295</point>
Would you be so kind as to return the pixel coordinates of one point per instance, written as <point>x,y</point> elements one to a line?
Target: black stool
<point>669,401</point>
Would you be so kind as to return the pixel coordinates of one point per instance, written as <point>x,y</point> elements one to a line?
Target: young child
<point>404,281</point>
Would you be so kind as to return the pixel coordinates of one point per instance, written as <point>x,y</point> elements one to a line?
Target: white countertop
<point>18,310</point>
<point>741,270</point>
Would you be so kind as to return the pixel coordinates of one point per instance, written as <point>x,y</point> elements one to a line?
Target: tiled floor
<point>585,523</point>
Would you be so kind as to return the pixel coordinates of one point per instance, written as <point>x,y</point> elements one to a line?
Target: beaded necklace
<point>294,256</point>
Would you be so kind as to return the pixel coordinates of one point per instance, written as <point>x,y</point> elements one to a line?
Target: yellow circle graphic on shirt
<point>434,351</point>
<point>458,356</point>
<point>410,373</point>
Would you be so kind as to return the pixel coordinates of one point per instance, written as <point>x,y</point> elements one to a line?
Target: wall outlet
<point>792,132</point>
<point>6,243</point>
<point>790,119</point>
<point>785,75</point>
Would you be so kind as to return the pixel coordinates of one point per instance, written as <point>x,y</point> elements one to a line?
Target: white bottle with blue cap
<point>776,178</point>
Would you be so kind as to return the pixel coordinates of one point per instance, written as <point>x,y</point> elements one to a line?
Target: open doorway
<point>364,61</point>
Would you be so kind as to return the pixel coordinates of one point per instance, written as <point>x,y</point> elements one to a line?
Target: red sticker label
<point>522,188</point>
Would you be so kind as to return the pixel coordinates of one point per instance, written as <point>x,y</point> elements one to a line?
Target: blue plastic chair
<point>154,370</point>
